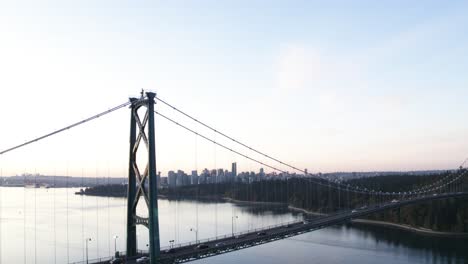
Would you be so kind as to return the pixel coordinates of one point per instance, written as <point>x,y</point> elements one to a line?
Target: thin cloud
<point>298,68</point>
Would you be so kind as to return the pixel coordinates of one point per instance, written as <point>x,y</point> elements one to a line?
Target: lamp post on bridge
<point>196,234</point>
<point>115,245</point>
<point>87,240</point>
<point>232,223</point>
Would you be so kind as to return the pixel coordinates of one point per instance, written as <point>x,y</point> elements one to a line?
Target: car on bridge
<point>116,261</point>
<point>202,246</point>
<point>354,211</point>
<point>220,244</point>
<point>261,234</point>
<point>394,201</point>
<point>143,260</point>
<point>170,250</point>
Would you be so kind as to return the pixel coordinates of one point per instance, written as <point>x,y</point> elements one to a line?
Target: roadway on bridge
<point>232,243</point>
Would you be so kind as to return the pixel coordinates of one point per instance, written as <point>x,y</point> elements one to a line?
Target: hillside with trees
<point>314,195</point>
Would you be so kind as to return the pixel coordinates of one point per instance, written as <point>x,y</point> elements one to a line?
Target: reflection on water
<point>51,225</point>
<point>268,209</point>
<point>434,248</point>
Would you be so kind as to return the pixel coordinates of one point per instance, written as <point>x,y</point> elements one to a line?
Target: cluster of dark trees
<point>448,215</point>
<point>319,196</point>
<point>315,195</point>
<point>111,190</point>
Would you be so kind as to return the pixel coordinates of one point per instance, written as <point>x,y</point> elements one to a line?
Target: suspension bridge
<point>142,188</point>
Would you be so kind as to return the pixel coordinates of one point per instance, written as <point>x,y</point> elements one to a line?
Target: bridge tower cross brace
<point>142,130</point>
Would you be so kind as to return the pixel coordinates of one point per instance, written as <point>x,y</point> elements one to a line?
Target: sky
<point>323,85</point>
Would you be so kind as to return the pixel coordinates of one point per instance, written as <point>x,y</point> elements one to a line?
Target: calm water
<point>51,225</point>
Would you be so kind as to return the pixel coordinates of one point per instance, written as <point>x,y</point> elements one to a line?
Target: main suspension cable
<point>219,144</point>
<point>338,186</point>
<point>244,155</point>
<point>347,186</point>
<point>357,189</point>
<point>226,136</point>
<point>66,128</point>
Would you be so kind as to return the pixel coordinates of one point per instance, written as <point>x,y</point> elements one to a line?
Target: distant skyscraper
<point>204,176</point>
<point>182,178</point>
<point>234,169</point>
<point>194,178</point>
<point>220,176</point>
<point>172,179</point>
<point>158,180</point>
<point>212,176</point>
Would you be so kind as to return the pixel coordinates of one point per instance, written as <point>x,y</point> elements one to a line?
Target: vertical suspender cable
<point>1,207</point>
<point>108,212</point>
<point>82,217</point>
<point>198,187</point>
<point>178,220</point>
<point>97,214</point>
<point>310,196</point>
<point>35,216</point>
<point>175,222</point>
<point>68,238</point>
<point>125,202</point>
<point>54,215</point>
<point>24,218</point>
<point>216,187</point>
<point>249,192</point>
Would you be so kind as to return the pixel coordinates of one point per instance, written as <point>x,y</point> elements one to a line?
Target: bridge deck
<point>232,243</point>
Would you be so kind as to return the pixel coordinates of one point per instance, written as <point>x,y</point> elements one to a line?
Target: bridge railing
<point>206,240</point>
<point>107,259</point>
<point>98,260</point>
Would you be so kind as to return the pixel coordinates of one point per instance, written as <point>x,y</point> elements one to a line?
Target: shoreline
<point>306,211</point>
<point>227,199</point>
<point>416,230</point>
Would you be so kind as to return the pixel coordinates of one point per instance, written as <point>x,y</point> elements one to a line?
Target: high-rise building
<point>234,169</point>
<point>182,178</point>
<point>220,176</point>
<point>204,176</point>
<point>172,179</point>
<point>158,180</point>
<point>194,178</point>
<point>212,178</point>
<point>261,175</point>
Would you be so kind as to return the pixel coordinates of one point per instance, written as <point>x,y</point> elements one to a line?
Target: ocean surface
<point>52,225</point>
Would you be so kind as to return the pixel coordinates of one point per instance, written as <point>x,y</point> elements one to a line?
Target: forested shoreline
<point>448,215</point>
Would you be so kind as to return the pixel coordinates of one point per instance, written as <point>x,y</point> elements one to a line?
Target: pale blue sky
<point>325,85</point>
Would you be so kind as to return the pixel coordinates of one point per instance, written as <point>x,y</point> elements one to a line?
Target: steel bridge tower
<point>142,184</point>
